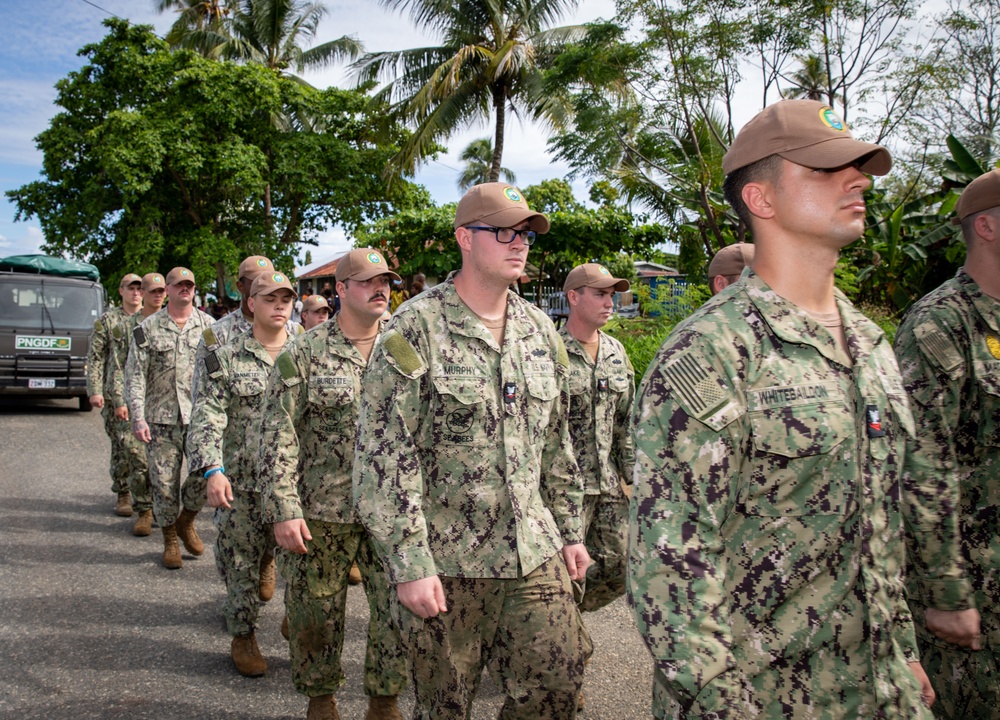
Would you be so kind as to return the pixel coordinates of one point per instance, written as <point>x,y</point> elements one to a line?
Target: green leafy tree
<point>163,158</point>
<point>478,159</point>
<point>489,64</point>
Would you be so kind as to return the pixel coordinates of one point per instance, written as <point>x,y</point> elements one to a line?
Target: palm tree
<point>810,81</point>
<point>195,15</point>
<point>266,32</point>
<point>478,159</point>
<point>489,63</point>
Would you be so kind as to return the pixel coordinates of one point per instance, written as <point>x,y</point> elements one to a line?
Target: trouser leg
<point>165,453</point>
<point>240,544</point>
<point>541,646</point>
<point>607,543</point>
<point>316,601</point>
<point>385,663</point>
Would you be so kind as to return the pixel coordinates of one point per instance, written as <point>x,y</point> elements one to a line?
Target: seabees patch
<point>993,345</point>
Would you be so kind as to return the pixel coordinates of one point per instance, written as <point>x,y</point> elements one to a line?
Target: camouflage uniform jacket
<point>949,352</point>
<point>600,414</point>
<point>108,352</point>
<point>235,323</point>
<point>309,423</point>
<point>160,367</point>
<point>226,415</point>
<point>464,465</point>
<point>765,531</point>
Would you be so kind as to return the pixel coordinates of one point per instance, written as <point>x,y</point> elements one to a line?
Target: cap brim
<point>618,284</point>
<point>510,217</point>
<point>838,152</point>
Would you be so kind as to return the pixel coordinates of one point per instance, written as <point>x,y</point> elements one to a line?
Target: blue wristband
<point>212,472</point>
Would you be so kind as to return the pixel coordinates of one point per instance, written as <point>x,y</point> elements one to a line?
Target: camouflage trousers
<point>165,455</point>
<point>967,682</point>
<point>316,601</point>
<point>605,525</point>
<point>243,539</point>
<point>128,461</point>
<point>528,631</point>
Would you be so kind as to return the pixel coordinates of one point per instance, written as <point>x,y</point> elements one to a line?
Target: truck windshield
<point>44,305</point>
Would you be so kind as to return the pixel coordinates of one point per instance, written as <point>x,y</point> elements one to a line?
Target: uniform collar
<point>987,307</point>
<point>462,321</point>
<point>794,325</point>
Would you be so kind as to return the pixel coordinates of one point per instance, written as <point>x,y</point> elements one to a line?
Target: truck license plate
<point>41,383</point>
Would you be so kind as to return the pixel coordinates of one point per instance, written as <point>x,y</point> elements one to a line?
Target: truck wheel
<point>85,405</point>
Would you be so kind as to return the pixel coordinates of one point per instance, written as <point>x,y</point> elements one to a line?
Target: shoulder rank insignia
<point>286,366</point>
<point>117,333</point>
<point>209,336</point>
<point>98,326</point>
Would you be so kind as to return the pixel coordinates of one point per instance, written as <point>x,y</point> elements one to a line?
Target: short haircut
<point>766,170</point>
<point>969,222</point>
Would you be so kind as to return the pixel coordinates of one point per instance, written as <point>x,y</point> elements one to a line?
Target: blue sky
<point>40,47</point>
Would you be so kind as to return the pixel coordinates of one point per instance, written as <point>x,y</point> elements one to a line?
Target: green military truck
<point>47,311</point>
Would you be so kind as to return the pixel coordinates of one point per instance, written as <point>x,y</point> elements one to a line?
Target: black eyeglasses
<point>507,235</point>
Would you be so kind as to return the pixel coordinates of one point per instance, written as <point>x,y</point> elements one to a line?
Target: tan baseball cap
<point>731,260</point>
<point>593,275</point>
<point>128,279</point>
<point>316,302</point>
<point>807,133</point>
<point>363,264</point>
<point>981,194</point>
<point>267,283</point>
<point>254,266</point>
<point>498,205</point>
<point>179,274</point>
<point>151,281</point>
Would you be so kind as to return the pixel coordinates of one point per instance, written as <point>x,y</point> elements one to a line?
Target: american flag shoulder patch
<point>939,348</point>
<point>696,385</point>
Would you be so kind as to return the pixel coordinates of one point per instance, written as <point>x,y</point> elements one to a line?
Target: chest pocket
<point>460,410</point>
<point>163,344</point>
<point>988,380</point>
<point>331,400</point>
<point>619,383</point>
<point>801,462</point>
<point>250,389</point>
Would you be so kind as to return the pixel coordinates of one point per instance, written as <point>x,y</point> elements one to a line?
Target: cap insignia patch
<point>278,278</point>
<point>374,259</point>
<point>262,263</point>
<point>603,270</point>
<point>512,194</point>
<point>830,119</point>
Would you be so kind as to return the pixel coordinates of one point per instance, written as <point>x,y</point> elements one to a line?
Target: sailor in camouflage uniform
<point>765,531</point>
<point>238,321</point>
<point>108,350</point>
<point>465,476</point>
<point>154,292</point>
<point>222,446</point>
<point>949,352</point>
<point>310,419</point>
<point>158,388</point>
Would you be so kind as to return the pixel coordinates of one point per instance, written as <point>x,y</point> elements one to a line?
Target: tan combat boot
<point>265,587</point>
<point>246,656</point>
<point>123,508</point>
<point>143,524</point>
<point>284,627</point>
<point>323,707</point>
<point>187,533</point>
<point>383,708</point>
<point>171,550</point>
<point>354,576</point>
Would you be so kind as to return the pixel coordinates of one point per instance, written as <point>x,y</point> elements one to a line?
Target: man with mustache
<point>765,531</point>
<point>949,352</point>
<point>158,376</point>
<point>464,474</point>
<point>310,418</point>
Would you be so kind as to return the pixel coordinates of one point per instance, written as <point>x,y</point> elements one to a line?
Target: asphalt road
<point>91,626</point>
